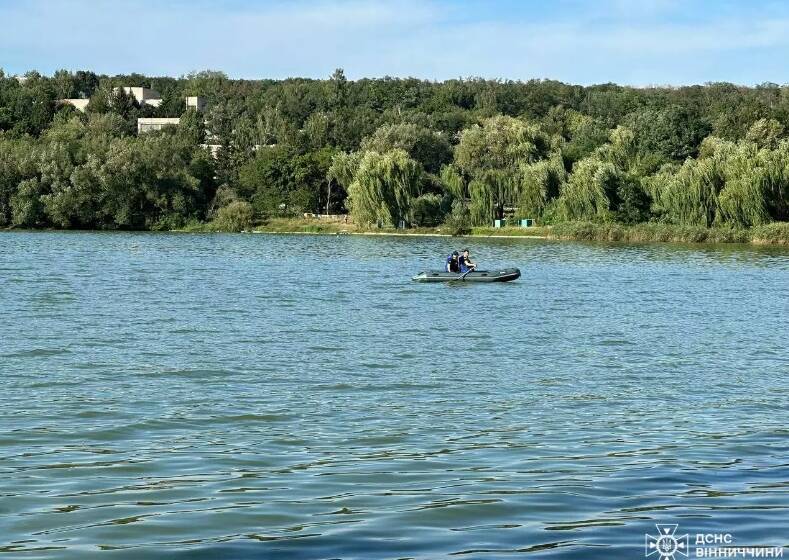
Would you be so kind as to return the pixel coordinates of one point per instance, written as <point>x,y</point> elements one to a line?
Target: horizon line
<point>469,78</point>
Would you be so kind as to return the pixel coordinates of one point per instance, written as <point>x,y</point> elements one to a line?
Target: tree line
<point>389,151</point>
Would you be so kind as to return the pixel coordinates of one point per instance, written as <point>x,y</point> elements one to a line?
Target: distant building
<point>78,104</point>
<point>194,102</point>
<point>143,95</point>
<point>149,124</point>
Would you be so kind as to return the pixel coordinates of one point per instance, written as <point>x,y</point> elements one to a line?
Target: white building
<point>148,124</point>
<point>78,104</point>
<point>194,102</point>
<point>143,95</point>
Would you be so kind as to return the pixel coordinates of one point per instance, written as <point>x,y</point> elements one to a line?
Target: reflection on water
<point>256,396</point>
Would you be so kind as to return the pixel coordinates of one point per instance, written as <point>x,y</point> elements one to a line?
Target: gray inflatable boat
<point>502,275</point>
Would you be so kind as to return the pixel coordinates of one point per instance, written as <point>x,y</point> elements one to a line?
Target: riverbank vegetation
<point>776,233</point>
<point>697,163</point>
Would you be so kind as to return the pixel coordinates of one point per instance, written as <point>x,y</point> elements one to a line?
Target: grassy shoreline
<point>770,234</point>
<point>776,233</point>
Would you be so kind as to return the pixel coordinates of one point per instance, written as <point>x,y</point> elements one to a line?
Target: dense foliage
<point>390,151</point>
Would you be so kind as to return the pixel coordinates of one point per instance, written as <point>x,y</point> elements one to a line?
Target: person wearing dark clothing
<point>453,263</point>
<point>466,264</point>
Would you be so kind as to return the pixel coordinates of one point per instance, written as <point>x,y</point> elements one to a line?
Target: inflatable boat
<point>503,275</point>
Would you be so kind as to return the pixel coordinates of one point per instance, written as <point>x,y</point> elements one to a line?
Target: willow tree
<point>540,183</point>
<point>500,143</point>
<point>485,193</point>
<point>492,154</point>
<point>341,171</point>
<point>343,167</point>
<point>690,197</point>
<point>590,193</point>
<point>481,208</point>
<point>730,183</point>
<point>746,175</point>
<point>778,186</point>
<point>383,187</point>
<point>621,149</point>
<point>452,182</point>
<point>756,189</point>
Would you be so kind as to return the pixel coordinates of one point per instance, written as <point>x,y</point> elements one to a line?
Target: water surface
<point>263,396</point>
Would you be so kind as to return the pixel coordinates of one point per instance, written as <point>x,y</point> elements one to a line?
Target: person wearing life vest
<point>453,263</point>
<point>466,264</point>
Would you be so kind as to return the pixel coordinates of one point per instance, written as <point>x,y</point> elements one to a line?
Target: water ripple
<point>189,396</point>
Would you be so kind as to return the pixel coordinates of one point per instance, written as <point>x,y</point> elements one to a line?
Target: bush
<point>236,216</point>
<point>426,210</point>
<point>458,222</point>
<point>650,232</point>
<point>169,222</point>
<point>223,197</point>
<point>633,204</point>
<point>776,232</point>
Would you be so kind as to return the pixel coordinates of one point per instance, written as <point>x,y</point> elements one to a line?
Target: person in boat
<point>453,262</point>
<point>466,264</point>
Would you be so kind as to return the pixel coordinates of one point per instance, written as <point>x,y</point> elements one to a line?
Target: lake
<point>296,396</point>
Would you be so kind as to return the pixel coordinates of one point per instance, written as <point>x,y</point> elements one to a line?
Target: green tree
<point>501,144</point>
<point>192,127</point>
<point>583,134</point>
<point>429,148</point>
<point>339,176</point>
<point>765,133</point>
<point>64,84</point>
<point>17,163</point>
<point>540,184</point>
<point>236,216</point>
<point>338,89</point>
<point>383,188</point>
<point>26,207</point>
<point>673,133</point>
<point>590,192</point>
<point>491,155</point>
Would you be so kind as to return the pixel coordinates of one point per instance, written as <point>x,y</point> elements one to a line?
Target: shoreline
<point>399,234</point>
<point>775,234</point>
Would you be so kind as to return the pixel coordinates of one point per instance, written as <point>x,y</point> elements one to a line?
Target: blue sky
<point>647,42</point>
